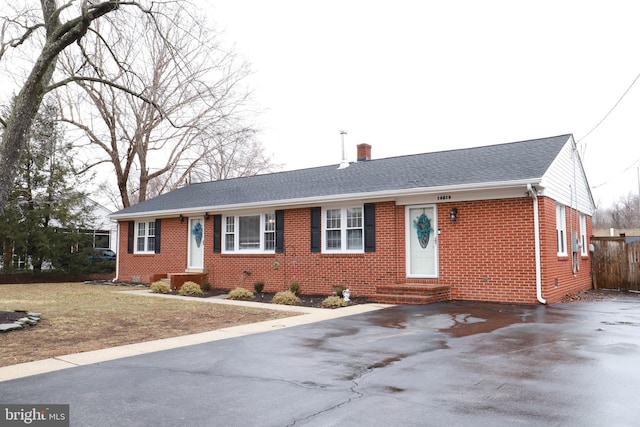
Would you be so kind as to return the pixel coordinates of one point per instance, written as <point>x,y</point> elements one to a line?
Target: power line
<point>614,177</point>
<point>607,115</point>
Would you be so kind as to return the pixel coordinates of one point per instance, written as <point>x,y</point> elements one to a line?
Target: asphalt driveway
<point>456,364</point>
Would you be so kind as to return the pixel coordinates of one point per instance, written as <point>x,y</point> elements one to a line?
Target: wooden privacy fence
<point>615,263</point>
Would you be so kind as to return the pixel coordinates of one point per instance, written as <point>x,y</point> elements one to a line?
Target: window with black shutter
<point>316,229</point>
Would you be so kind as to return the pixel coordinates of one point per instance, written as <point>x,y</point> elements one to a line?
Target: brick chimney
<point>364,152</point>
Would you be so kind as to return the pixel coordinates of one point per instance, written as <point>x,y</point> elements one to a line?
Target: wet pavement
<point>457,364</point>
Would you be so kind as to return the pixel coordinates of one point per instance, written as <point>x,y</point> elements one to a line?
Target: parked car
<point>103,254</point>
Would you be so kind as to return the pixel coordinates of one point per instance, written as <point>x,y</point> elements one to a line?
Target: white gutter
<point>536,232</point>
<point>337,198</point>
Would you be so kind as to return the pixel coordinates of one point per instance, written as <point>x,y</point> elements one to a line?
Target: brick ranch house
<point>507,222</point>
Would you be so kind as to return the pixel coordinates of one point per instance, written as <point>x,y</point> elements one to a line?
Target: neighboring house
<point>104,231</point>
<point>508,222</point>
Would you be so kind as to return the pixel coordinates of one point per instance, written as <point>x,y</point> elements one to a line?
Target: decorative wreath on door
<point>423,228</point>
<point>197,233</point>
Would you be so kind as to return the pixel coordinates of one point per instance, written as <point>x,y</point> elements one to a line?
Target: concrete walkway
<point>308,315</point>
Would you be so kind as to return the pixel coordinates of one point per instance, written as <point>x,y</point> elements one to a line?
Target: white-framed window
<point>250,233</point>
<point>145,237</point>
<point>229,233</point>
<point>583,235</point>
<point>561,229</point>
<point>343,229</point>
<point>269,231</point>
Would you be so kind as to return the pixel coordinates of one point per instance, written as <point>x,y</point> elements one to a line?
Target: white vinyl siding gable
<point>566,182</point>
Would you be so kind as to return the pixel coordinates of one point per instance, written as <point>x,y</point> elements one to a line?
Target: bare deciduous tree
<point>237,155</point>
<point>157,95</point>
<point>193,80</point>
<point>59,35</point>
<point>625,213</point>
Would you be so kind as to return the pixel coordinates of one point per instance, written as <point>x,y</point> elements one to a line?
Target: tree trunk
<point>15,134</point>
<point>7,256</point>
<point>30,97</point>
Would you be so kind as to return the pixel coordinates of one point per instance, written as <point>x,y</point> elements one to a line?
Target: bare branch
<point>114,85</point>
<point>156,96</point>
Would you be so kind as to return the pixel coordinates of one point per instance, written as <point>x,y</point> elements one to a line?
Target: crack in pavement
<point>355,393</point>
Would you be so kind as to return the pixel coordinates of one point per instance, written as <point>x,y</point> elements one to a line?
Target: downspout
<point>116,279</point>
<point>536,233</point>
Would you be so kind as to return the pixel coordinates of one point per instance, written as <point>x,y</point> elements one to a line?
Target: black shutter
<point>369,227</point>
<point>130,236</point>
<point>316,229</point>
<point>217,234</point>
<point>279,231</point>
<point>157,241</point>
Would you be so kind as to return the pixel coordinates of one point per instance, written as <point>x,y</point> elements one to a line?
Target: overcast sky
<point>418,76</point>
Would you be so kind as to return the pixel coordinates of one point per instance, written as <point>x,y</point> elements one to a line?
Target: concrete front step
<point>176,280</point>
<point>412,293</point>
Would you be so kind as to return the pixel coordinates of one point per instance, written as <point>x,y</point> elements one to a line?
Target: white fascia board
<point>386,195</point>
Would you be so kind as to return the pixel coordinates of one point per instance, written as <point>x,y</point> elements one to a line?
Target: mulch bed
<point>592,295</point>
<point>267,297</point>
<point>11,316</point>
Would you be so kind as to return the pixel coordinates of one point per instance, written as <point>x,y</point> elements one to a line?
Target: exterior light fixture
<point>181,218</point>
<point>453,214</point>
<point>206,216</point>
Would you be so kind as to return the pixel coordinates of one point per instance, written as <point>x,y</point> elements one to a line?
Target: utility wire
<point>612,178</point>
<point>607,115</point>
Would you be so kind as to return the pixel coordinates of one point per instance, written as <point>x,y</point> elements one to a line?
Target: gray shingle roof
<point>489,164</point>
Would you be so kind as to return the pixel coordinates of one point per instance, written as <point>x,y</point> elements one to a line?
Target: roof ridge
<point>506,162</point>
<point>387,158</point>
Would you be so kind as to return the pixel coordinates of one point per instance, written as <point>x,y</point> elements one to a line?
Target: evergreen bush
<point>258,286</point>
<point>286,298</point>
<point>160,287</point>
<point>190,288</point>
<point>333,302</point>
<point>294,287</point>
<point>241,293</point>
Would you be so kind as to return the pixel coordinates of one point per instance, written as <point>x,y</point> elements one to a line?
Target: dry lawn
<point>78,317</point>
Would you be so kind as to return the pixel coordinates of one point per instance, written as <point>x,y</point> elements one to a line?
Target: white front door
<point>422,241</point>
<point>196,243</point>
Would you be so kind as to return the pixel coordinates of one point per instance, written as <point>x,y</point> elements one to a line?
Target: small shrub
<point>339,290</point>
<point>206,287</point>
<point>190,288</point>
<point>333,302</point>
<point>258,286</point>
<point>286,298</point>
<point>294,287</point>
<point>241,293</point>
<point>160,287</point>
